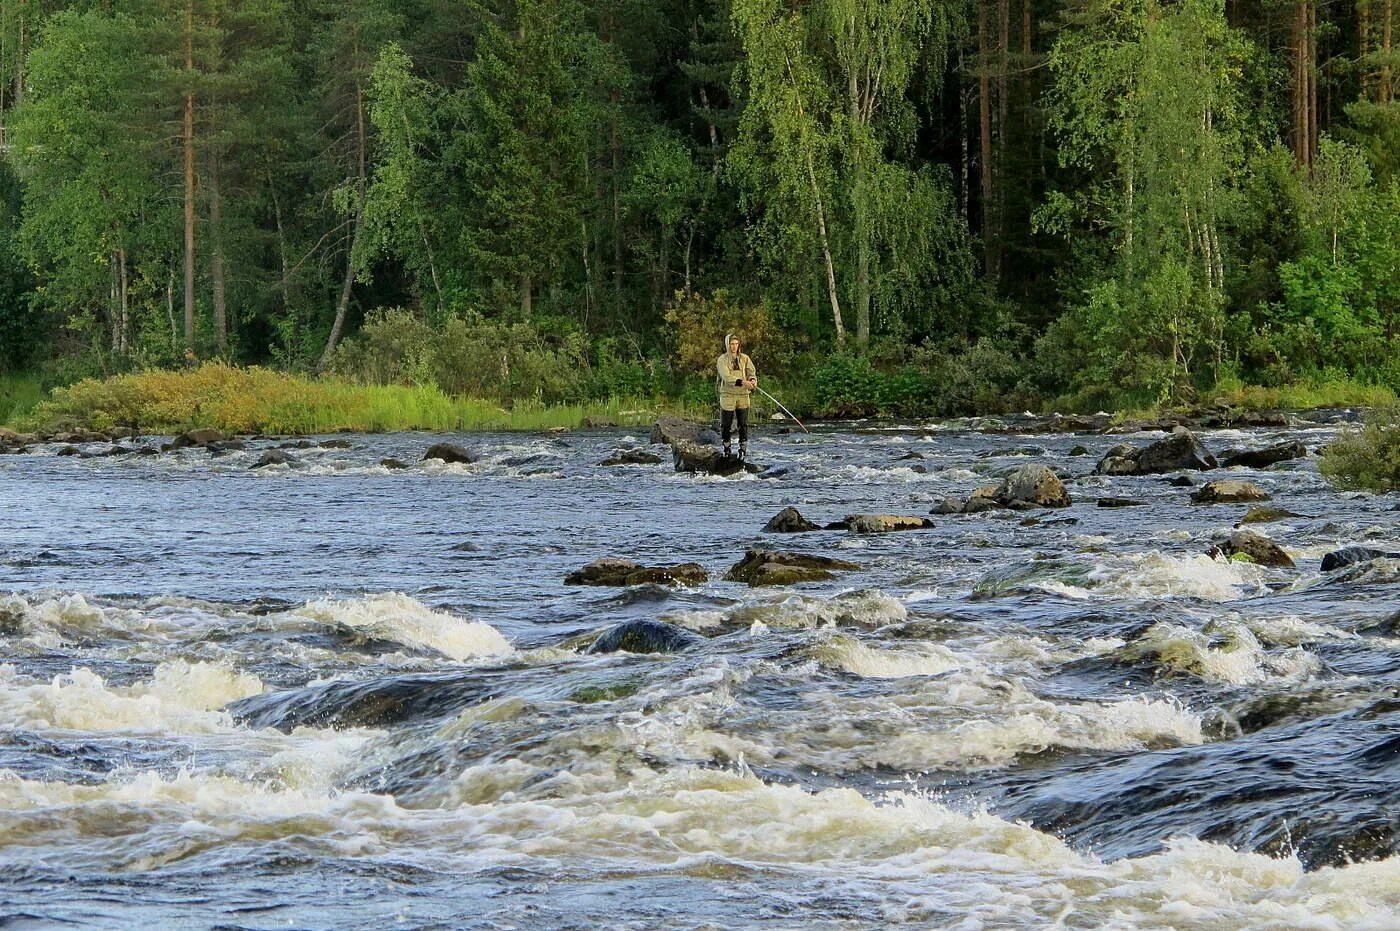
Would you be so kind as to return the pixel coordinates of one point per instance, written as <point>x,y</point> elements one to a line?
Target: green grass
<point>18,396</point>
<point>1305,395</point>
<point>256,400</point>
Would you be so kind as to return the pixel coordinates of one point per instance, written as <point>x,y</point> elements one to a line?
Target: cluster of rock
<point>758,567</point>
<point>1028,487</point>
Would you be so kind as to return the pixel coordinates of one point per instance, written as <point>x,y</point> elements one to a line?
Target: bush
<point>700,325</point>
<point>978,379</point>
<point>1368,458</point>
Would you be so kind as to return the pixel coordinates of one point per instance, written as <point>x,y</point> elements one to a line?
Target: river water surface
<point>337,695</point>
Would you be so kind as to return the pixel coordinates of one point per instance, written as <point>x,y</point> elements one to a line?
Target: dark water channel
<point>335,695</point>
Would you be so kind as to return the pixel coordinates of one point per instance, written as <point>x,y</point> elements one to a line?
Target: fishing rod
<point>783,409</point>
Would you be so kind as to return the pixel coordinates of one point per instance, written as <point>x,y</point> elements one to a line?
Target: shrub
<point>1367,458</point>
<point>700,325</point>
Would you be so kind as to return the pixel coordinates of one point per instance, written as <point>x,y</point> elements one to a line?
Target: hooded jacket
<point>730,374</point>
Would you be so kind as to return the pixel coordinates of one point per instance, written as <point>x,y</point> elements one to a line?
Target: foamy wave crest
<point>180,697</point>
<point>396,617</point>
<point>869,608</point>
<point>1157,575</point>
<point>1233,655</point>
<point>1038,725</point>
<point>923,659</point>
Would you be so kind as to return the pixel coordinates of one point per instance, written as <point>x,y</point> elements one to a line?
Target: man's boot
<point>728,451</point>
<point>743,450</point>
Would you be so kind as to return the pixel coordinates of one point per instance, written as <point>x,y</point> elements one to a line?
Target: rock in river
<point>1262,458</point>
<point>276,457</point>
<point>884,523</point>
<point>674,429</point>
<point>1181,450</point>
<point>631,457</point>
<point>1033,484</point>
<point>449,452</point>
<point>644,637</point>
<point>1353,555</point>
<point>626,572</point>
<point>1258,548</point>
<point>200,437</point>
<point>699,457</point>
<point>1229,490</point>
<point>769,567</point>
<point>789,520</point>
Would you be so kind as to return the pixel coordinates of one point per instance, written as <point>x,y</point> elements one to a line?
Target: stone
<point>199,437</point>
<point>392,463</point>
<point>276,457</point>
<point>337,444</point>
<point>644,637</point>
<point>631,457</point>
<point>1353,555</point>
<point>449,452</point>
<point>1263,458</point>
<point>884,523</point>
<point>1033,484</point>
<point>1229,491</point>
<point>1182,481</point>
<point>625,572</point>
<point>1120,503</point>
<point>1119,460</point>
<point>789,520</point>
<point>68,451</point>
<point>1080,450</point>
<point>948,506</point>
<point>1266,515</point>
<point>670,430</point>
<point>770,567</point>
<point>1180,450</point>
<point>698,457</point>
<point>1258,548</point>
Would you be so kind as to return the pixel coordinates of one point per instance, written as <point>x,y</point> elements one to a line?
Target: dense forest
<point>935,204</point>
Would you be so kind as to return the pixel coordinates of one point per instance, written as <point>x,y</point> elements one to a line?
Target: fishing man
<point>736,378</point>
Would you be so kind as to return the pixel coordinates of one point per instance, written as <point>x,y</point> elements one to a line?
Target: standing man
<point>736,378</point>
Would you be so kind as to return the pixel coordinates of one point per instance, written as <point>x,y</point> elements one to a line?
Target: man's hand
<point>751,383</point>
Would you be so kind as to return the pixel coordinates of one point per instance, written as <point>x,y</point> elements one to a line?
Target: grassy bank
<point>256,400</point>
<point>18,396</point>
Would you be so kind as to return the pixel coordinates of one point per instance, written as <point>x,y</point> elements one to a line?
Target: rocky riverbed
<point>996,673</point>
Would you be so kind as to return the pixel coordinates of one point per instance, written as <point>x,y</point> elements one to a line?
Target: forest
<point>941,206</point>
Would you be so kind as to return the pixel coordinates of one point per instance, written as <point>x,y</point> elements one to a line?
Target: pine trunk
<point>216,257</point>
<point>984,94</point>
<point>187,140</point>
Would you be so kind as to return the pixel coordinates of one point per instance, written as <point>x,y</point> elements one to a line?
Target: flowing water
<point>337,695</point>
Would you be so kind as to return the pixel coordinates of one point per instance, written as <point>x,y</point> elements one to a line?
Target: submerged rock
<point>449,452</point>
<point>949,506</point>
<point>626,572</point>
<point>668,430</point>
<point>1353,555</point>
<point>392,463</point>
<point>276,457</point>
<point>1258,548</point>
<point>789,520</point>
<point>1181,450</point>
<point>1267,515</point>
<point>1120,503</point>
<point>1262,458</point>
<point>644,637</point>
<point>1228,491</point>
<point>631,457</point>
<point>884,523</point>
<point>770,567</point>
<point>346,703</point>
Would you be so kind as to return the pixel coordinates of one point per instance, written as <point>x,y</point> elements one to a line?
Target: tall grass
<point>18,396</point>
<point>257,400</point>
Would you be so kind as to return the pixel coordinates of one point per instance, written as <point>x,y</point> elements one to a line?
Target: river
<point>339,695</point>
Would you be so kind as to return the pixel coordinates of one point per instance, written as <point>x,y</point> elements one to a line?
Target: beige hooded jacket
<point>730,374</point>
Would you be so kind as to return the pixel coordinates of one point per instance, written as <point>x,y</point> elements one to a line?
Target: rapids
<point>336,694</point>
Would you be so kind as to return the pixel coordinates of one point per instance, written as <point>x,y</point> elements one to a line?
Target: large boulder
<point>709,460</point>
<point>1033,484</point>
<point>1353,555</point>
<point>768,567</point>
<point>449,452</point>
<point>626,572</point>
<point>1229,491</point>
<point>1256,547</point>
<point>643,637</point>
<point>199,437</point>
<point>671,430</point>
<point>1263,458</point>
<point>1180,450</point>
<point>789,520</point>
<point>884,523</point>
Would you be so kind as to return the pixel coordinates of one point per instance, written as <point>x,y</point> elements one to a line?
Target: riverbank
<point>257,400</point>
